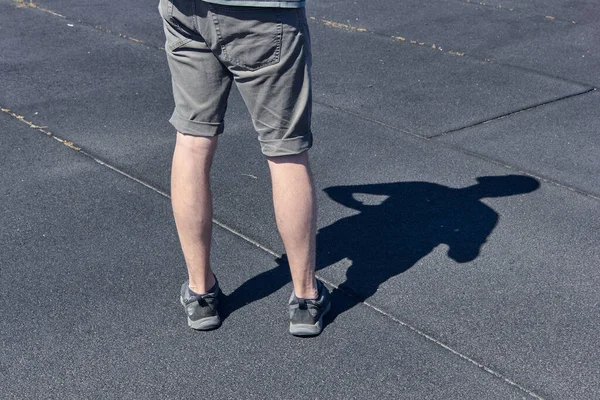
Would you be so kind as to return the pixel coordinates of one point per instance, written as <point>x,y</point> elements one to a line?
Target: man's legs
<point>293,199</point>
<point>274,80</point>
<point>192,206</point>
<point>295,212</point>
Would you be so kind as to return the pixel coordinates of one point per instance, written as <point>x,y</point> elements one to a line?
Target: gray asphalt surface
<point>457,161</point>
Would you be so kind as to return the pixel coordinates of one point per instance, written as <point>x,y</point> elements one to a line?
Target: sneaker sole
<point>305,330</point>
<point>203,324</point>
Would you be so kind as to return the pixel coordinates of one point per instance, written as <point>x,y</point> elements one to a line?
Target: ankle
<point>203,285</point>
<point>307,292</point>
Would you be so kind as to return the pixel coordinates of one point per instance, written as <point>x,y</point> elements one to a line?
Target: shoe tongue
<point>302,304</point>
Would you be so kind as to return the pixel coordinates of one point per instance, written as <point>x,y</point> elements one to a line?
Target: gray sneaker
<point>306,315</point>
<point>201,309</point>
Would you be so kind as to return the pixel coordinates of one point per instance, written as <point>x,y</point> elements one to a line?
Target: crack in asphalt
<point>511,113</point>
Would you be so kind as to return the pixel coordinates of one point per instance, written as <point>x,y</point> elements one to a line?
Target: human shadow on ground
<point>397,224</point>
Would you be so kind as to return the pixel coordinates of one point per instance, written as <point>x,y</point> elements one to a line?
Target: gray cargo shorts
<point>266,51</point>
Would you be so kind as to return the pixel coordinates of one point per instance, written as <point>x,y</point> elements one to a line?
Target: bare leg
<point>295,211</point>
<point>192,205</point>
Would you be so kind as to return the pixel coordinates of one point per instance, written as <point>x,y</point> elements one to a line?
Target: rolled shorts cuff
<point>286,147</point>
<point>196,128</point>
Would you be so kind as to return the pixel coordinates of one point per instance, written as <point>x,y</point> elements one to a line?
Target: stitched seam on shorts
<point>283,128</point>
<point>196,122</point>
<point>179,43</point>
<point>299,19</point>
<point>171,13</point>
<point>297,138</point>
<point>194,21</point>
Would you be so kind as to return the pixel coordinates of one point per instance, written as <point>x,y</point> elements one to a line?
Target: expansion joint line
<point>350,28</point>
<point>246,238</point>
<point>31,4</point>
<point>513,113</point>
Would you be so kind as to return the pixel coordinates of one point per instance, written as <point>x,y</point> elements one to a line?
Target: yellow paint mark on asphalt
<point>68,144</point>
<point>101,29</point>
<point>39,128</point>
<point>31,4</point>
<point>22,119</point>
<point>338,25</point>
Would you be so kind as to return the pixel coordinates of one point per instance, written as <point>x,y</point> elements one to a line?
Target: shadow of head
<point>502,186</point>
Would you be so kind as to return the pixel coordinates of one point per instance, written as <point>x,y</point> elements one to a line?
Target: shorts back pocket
<point>249,37</point>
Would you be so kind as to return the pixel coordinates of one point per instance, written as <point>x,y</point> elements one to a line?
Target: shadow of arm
<point>344,194</point>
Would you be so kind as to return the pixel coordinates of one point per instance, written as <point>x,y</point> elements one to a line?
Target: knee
<point>196,144</point>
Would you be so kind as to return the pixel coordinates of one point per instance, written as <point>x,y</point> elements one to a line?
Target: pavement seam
<point>450,349</point>
<point>350,28</point>
<point>31,4</point>
<point>277,255</point>
<point>364,117</point>
<point>542,178</point>
<point>511,113</point>
<point>433,46</point>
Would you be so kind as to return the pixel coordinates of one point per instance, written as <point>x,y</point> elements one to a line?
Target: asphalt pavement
<point>456,157</point>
